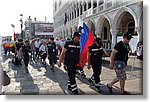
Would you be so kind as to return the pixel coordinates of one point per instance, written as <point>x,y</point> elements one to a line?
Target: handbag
<point>6,79</point>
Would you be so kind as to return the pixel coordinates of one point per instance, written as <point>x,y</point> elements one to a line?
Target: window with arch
<point>94,4</point>
<point>85,6</point>
<point>105,33</point>
<point>131,28</point>
<point>55,5</point>
<point>89,4</point>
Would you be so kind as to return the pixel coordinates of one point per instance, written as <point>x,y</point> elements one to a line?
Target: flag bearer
<point>95,54</point>
<point>71,52</point>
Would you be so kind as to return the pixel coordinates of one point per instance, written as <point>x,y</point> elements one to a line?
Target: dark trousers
<point>52,59</point>
<point>43,58</point>
<point>80,69</point>
<point>96,73</point>
<point>26,59</point>
<point>6,50</point>
<point>71,80</point>
<point>37,52</point>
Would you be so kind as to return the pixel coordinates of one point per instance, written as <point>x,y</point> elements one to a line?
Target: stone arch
<point>101,21</point>
<point>91,26</point>
<point>104,23</point>
<point>120,14</point>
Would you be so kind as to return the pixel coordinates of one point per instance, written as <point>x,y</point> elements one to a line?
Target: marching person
<point>95,54</point>
<point>37,46</point>
<point>71,52</point>
<point>25,51</point>
<point>51,53</point>
<point>43,53</point>
<point>119,56</point>
<point>32,50</point>
<point>6,46</point>
<point>18,51</point>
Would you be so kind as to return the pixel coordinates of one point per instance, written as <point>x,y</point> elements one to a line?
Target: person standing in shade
<point>25,51</point>
<point>51,53</point>
<point>71,51</point>
<point>95,54</point>
<point>119,56</point>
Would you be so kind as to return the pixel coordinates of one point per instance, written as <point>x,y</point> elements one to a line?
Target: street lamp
<point>21,24</point>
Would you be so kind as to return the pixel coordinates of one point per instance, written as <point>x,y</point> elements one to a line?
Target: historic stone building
<point>105,18</point>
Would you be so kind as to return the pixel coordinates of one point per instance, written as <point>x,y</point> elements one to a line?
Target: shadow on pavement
<point>27,86</point>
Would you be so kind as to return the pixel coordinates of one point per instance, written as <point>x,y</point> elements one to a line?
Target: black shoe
<point>98,90</point>
<point>26,70</point>
<point>75,92</point>
<point>69,89</point>
<point>77,72</point>
<point>83,75</point>
<point>90,81</point>
<point>110,89</point>
<point>52,68</point>
<point>125,93</point>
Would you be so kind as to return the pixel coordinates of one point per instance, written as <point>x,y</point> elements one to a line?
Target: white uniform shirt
<point>43,49</point>
<point>37,44</point>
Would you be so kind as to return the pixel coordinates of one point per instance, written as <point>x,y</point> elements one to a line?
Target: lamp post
<point>21,24</point>
<point>29,33</point>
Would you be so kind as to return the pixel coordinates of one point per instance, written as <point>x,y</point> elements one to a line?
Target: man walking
<point>51,53</point>
<point>119,56</point>
<point>95,54</point>
<point>71,52</point>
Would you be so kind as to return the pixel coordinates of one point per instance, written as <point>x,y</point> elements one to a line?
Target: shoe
<point>77,72</point>
<point>90,81</point>
<point>83,75</point>
<point>110,89</point>
<point>52,68</point>
<point>125,93</point>
<point>26,70</point>
<point>75,92</point>
<point>98,90</point>
<point>69,89</point>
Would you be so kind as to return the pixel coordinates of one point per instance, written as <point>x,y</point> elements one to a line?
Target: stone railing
<point>106,44</point>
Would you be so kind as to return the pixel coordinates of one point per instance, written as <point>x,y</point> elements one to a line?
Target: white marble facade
<point>105,18</point>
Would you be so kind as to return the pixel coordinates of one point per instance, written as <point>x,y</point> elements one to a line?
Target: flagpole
<point>13,26</point>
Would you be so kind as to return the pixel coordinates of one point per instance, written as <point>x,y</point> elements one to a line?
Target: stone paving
<point>44,81</point>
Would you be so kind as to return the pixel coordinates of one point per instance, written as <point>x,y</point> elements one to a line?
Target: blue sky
<point>10,11</point>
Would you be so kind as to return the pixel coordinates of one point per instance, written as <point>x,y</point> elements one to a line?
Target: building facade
<point>38,29</point>
<point>105,18</point>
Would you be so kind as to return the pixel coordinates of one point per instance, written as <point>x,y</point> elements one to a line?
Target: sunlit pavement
<point>42,80</point>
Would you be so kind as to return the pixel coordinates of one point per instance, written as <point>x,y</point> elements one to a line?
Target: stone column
<point>76,10</point>
<point>114,33</point>
<point>91,6</point>
<point>79,7</point>
<point>82,7</point>
<point>140,33</point>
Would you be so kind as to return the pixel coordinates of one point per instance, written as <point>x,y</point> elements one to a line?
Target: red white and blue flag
<point>86,40</point>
